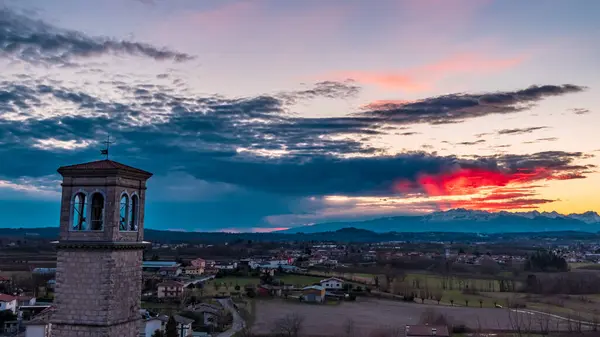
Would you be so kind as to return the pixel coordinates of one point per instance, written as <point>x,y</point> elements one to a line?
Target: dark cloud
<point>35,41</point>
<point>475,142</point>
<point>456,108</point>
<point>580,111</point>
<point>253,143</point>
<point>521,131</point>
<point>327,89</point>
<point>547,139</point>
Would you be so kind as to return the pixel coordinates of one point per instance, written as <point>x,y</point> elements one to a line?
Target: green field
<point>227,284</point>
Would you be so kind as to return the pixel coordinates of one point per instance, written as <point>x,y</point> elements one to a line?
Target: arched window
<point>79,212</point>
<point>97,217</point>
<point>123,212</point>
<point>133,213</point>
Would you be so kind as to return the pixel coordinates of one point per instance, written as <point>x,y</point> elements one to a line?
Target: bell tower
<point>99,251</point>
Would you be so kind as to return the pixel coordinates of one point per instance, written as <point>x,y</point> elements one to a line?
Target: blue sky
<point>259,115</point>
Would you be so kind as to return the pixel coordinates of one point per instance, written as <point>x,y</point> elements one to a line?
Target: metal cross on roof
<point>107,143</point>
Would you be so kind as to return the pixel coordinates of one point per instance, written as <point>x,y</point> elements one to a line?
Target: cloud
<point>546,139</point>
<point>37,42</point>
<point>580,111</point>
<point>253,148</point>
<point>521,131</point>
<point>475,142</point>
<point>455,108</point>
<point>507,177</point>
<point>327,89</point>
<point>424,77</point>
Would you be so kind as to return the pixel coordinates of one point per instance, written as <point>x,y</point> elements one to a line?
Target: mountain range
<point>468,221</point>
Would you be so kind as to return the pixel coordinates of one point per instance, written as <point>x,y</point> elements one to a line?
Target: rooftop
<point>106,165</point>
<point>159,264</point>
<point>7,298</point>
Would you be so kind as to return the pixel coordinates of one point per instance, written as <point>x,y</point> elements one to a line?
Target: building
<point>99,251</point>
<point>157,265</point>
<point>25,300</point>
<point>332,283</point>
<point>40,325</point>
<point>170,289</point>
<point>200,263</point>
<point>210,314</point>
<point>314,294</point>
<point>426,330</point>
<point>184,324</point>
<point>194,270</point>
<point>170,271</point>
<point>8,302</point>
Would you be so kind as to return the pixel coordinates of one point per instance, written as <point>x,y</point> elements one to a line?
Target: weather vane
<point>104,152</point>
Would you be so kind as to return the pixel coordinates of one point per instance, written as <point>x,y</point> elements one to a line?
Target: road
<point>238,321</point>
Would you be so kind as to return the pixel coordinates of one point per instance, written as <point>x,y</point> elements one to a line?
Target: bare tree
<point>349,329</point>
<point>438,296</point>
<point>432,317</point>
<point>290,325</point>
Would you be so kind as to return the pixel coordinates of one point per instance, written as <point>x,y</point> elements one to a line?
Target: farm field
<point>371,314</point>
<point>227,284</point>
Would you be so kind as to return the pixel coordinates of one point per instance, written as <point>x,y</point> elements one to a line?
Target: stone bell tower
<point>99,251</point>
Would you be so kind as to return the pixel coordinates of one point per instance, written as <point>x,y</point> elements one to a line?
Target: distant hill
<point>348,234</point>
<point>468,221</point>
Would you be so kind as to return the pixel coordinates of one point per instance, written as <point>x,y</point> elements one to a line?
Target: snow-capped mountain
<point>470,221</point>
<point>477,215</point>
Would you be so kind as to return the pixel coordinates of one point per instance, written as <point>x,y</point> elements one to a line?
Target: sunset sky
<point>256,115</point>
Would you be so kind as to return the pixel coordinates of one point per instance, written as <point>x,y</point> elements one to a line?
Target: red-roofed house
<point>8,302</point>
<point>198,263</point>
<point>170,289</point>
<point>4,280</point>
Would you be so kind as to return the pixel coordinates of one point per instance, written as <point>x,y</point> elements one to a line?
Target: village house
<point>199,263</point>
<point>8,302</point>
<point>184,324</point>
<point>170,289</point>
<point>25,300</point>
<point>210,314</point>
<point>4,280</point>
<point>332,283</point>
<point>40,325</point>
<point>194,270</point>
<point>314,294</point>
<point>170,271</point>
<point>426,330</point>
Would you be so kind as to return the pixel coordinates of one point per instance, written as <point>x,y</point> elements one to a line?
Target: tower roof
<point>102,167</point>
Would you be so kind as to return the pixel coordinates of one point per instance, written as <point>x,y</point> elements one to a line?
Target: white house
<point>151,325</point>
<point>184,324</point>
<point>8,302</point>
<point>170,289</point>
<point>332,283</point>
<point>40,325</point>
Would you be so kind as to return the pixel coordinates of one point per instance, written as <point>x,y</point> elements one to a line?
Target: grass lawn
<point>227,284</point>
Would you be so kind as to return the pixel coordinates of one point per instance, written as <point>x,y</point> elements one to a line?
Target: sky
<point>259,115</point>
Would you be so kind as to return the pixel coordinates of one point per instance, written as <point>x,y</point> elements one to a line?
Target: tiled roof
<point>7,298</point>
<point>105,164</point>
<point>178,319</point>
<point>170,284</point>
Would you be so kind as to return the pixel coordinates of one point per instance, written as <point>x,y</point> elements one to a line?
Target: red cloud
<point>423,77</point>
<point>490,190</point>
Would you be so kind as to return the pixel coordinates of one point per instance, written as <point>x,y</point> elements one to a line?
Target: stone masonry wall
<point>97,288</point>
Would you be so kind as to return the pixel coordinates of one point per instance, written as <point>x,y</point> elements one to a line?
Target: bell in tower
<point>100,249</point>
